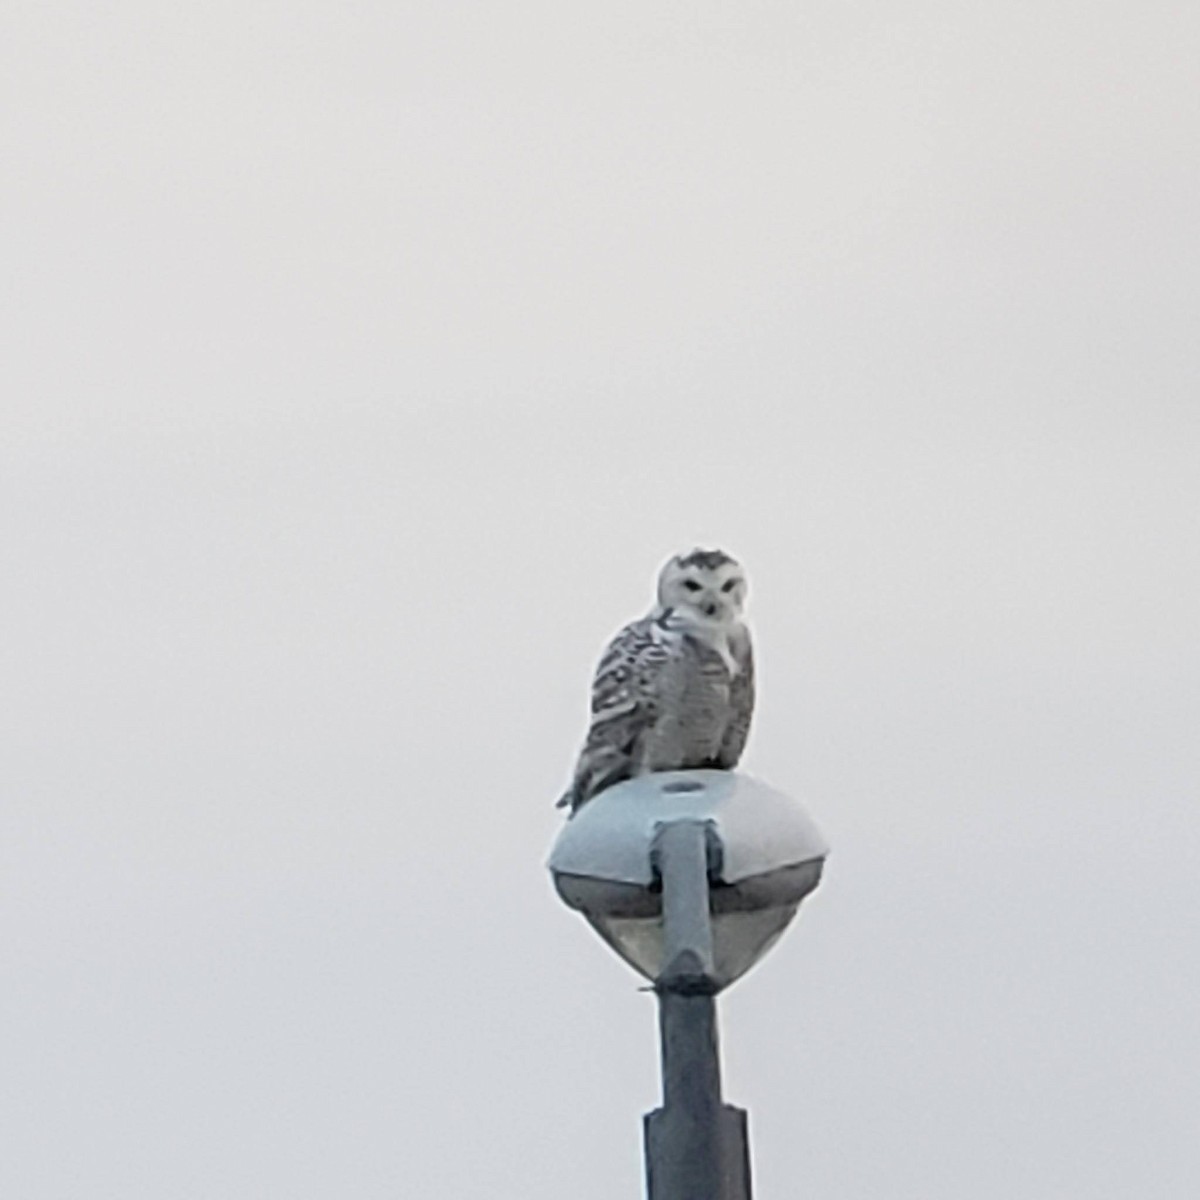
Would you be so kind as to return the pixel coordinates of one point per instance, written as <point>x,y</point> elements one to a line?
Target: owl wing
<point>741,703</point>
<point>624,707</point>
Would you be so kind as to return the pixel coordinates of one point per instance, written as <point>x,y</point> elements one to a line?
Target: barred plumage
<point>675,689</point>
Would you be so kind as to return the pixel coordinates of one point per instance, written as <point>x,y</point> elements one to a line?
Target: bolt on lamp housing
<point>766,855</point>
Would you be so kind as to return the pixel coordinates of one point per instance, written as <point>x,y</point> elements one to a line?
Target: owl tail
<point>596,771</point>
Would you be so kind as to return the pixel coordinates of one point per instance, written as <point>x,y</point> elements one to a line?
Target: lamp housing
<point>768,856</point>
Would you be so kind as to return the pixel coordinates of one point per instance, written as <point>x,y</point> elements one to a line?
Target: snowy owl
<point>674,690</point>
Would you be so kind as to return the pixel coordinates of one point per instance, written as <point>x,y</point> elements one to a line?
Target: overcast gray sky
<point>360,366</point>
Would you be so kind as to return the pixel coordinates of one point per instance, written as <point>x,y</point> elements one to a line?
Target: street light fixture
<point>691,877</point>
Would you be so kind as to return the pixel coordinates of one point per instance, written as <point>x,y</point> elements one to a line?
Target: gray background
<point>362,363</point>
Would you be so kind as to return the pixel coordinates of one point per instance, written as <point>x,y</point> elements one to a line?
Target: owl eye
<point>728,585</point>
<point>691,585</point>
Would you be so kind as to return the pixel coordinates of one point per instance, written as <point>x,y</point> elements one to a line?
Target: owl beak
<point>710,608</point>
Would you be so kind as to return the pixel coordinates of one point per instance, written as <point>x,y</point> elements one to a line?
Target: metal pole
<point>696,1146</point>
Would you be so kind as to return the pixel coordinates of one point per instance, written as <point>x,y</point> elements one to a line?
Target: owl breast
<point>693,711</point>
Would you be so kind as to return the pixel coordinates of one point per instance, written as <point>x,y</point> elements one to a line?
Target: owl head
<point>705,585</point>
